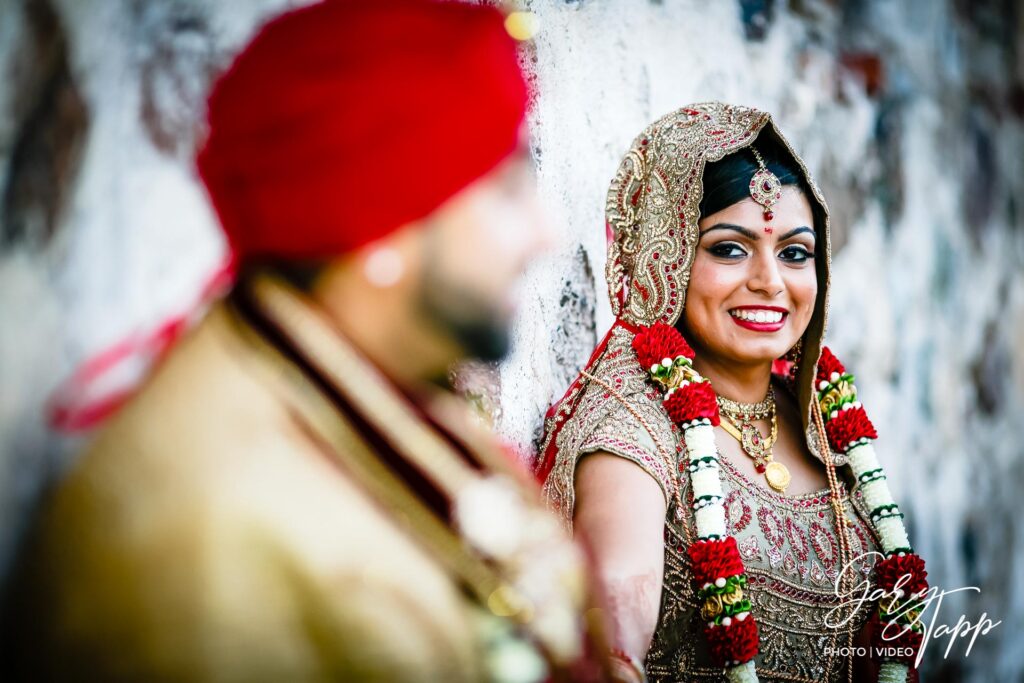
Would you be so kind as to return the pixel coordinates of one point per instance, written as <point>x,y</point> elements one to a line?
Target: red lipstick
<point>760,327</point>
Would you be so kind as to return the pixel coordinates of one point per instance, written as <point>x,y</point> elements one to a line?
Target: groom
<point>293,494</point>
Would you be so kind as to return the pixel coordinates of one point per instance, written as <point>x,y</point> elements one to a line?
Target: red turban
<point>347,119</point>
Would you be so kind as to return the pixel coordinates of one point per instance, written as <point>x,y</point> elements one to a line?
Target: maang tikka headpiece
<point>765,187</point>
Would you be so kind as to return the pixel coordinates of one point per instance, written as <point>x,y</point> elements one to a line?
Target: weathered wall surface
<point>911,115</point>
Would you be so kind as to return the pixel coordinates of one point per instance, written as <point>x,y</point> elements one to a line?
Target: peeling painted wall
<point>911,114</point>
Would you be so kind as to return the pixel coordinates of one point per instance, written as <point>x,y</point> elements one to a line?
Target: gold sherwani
<point>211,533</point>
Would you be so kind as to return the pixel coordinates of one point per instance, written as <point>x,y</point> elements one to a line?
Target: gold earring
<point>794,354</point>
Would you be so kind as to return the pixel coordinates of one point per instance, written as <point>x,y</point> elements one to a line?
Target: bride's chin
<point>753,356</point>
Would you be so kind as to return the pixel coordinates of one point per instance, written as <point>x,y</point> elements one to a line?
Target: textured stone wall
<point>910,113</point>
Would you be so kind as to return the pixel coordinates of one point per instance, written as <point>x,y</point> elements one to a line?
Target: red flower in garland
<point>736,642</point>
<point>893,568</point>
<point>693,401</point>
<point>849,426</point>
<point>657,342</point>
<point>714,559</point>
<point>828,364</point>
<point>885,636</point>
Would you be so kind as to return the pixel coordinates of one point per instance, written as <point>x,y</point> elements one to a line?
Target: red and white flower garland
<point>901,573</point>
<point>719,575</point>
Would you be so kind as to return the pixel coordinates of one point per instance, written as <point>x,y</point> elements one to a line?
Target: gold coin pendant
<point>777,475</point>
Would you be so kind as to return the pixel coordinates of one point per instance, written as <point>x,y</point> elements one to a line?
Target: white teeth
<point>758,316</point>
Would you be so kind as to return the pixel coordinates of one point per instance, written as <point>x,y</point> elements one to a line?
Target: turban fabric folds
<point>339,123</point>
<point>344,120</point>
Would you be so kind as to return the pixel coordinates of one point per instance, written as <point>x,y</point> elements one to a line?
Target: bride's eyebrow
<point>796,231</point>
<point>746,232</point>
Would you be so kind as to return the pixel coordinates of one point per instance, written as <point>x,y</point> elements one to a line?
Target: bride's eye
<point>727,250</point>
<point>796,254</point>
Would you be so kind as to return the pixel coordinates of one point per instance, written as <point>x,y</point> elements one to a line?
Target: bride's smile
<point>762,318</point>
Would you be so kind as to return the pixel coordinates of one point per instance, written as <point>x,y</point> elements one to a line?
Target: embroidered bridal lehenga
<point>749,590</point>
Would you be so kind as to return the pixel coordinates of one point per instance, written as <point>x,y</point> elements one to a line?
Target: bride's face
<point>752,285</point>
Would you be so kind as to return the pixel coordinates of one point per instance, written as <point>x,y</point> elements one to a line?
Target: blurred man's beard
<point>465,317</point>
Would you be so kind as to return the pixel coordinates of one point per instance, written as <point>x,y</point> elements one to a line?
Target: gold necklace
<point>739,423</point>
<point>750,411</point>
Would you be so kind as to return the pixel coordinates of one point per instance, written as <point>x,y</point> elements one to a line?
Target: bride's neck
<point>742,383</point>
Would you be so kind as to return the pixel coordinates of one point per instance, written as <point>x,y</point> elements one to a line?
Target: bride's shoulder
<point>618,378</point>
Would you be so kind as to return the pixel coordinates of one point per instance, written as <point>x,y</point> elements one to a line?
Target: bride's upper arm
<point>620,514</point>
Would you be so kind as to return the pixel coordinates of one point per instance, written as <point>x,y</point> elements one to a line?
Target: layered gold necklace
<point>739,421</point>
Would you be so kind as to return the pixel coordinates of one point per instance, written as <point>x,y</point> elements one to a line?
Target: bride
<point>713,453</point>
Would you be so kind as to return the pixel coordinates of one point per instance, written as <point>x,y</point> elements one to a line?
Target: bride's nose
<point>765,276</point>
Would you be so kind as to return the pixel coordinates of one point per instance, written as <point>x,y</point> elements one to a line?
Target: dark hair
<point>727,181</point>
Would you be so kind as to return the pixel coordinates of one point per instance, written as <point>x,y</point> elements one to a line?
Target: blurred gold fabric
<point>205,536</point>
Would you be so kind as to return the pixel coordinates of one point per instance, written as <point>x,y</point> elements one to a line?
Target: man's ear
<point>382,265</point>
<point>386,262</point>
